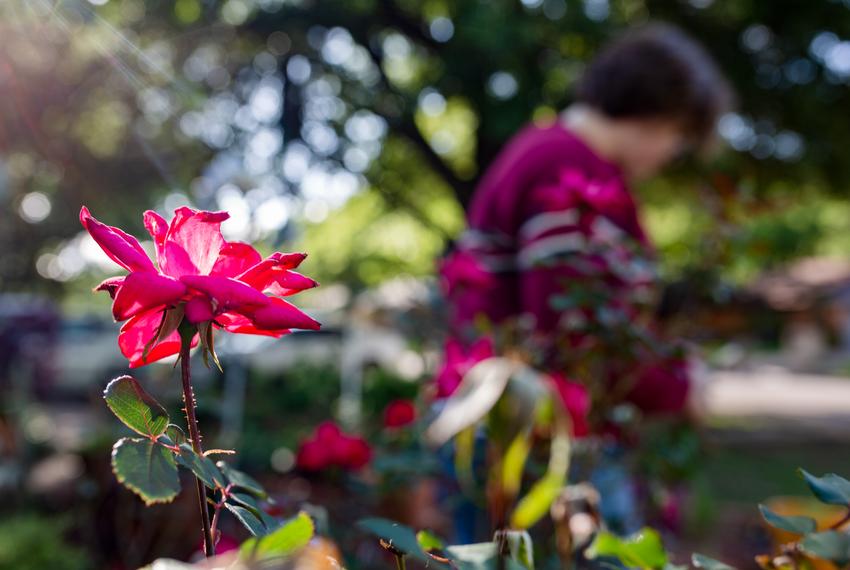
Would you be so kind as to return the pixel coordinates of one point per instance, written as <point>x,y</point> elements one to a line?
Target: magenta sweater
<point>550,213</point>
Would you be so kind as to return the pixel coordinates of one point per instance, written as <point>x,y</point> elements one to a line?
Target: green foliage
<point>429,541</point>
<point>398,537</point>
<point>203,468</point>
<point>795,524</point>
<point>830,488</point>
<point>829,545</point>
<point>135,408</point>
<point>535,504</point>
<point>35,542</point>
<point>242,480</point>
<point>644,549</point>
<point>293,535</point>
<point>248,519</point>
<point>146,468</point>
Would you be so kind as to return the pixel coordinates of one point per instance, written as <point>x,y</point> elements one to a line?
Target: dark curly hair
<point>658,71</point>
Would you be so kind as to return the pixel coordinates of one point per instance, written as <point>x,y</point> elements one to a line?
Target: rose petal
<point>286,282</point>
<point>227,294</point>
<point>158,228</point>
<point>139,331</point>
<point>193,242</point>
<point>261,275</point>
<point>199,310</point>
<point>279,314</point>
<point>121,247</point>
<point>234,258</point>
<point>143,291</point>
<point>111,285</point>
<point>240,324</point>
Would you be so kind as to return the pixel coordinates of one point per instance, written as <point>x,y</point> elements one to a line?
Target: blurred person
<point>554,218</point>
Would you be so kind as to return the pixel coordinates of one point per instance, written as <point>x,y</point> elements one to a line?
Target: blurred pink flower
<point>399,413</point>
<point>458,361</point>
<point>198,276</point>
<point>460,270</point>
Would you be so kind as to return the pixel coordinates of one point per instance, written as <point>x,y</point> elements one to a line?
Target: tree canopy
<point>281,111</point>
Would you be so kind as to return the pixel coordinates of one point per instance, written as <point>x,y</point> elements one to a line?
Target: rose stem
<point>194,435</point>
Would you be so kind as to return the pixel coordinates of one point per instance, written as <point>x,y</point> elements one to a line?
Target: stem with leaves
<point>187,332</point>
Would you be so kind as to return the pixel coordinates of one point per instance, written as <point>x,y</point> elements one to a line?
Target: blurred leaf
<point>464,458</point>
<point>146,468</point>
<point>795,524</point>
<point>513,463</point>
<point>829,545</point>
<point>429,541</point>
<point>201,466</point>
<point>643,549</point>
<point>135,407</point>
<point>480,556</point>
<point>242,480</point>
<point>477,554</point>
<point>478,392</point>
<point>830,488</point>
<point>535,504</point>
<point>702,561</point>
<point>292,536</point>
<point>399,537</point>
<point>248,519</point>
<point>519,545</point>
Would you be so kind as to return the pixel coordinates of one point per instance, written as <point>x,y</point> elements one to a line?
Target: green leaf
<point>400,537</point>
<point>175,434</point>
<point>135,407</point>
<point>535,504</point>
<point>702,561</point>
<point>830,488</point>
<point>795,524</point>
<point>643,549</point>
<point>429,541</point>
<point>203,468</point>
<point>242,480</point>
<point>248,501</point>
<point>254,525</point>
<point>829,545</point>
<point>146,468</point>
<point>292,536</point>
<point>513,463</point>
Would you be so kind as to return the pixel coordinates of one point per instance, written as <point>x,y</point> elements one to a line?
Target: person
<point>555,249</point>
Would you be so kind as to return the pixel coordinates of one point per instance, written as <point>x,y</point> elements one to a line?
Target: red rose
<point>399,413</point>
<point>198,276</point>
<point>313,456</point>
<point>330,447</point>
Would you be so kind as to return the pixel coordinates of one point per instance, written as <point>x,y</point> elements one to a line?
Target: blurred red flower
<point>198,276</point>
<point>330,447</point>
<point>399,413</point>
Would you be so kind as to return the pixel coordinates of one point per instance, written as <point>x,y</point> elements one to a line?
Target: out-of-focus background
<point>356,131</point>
